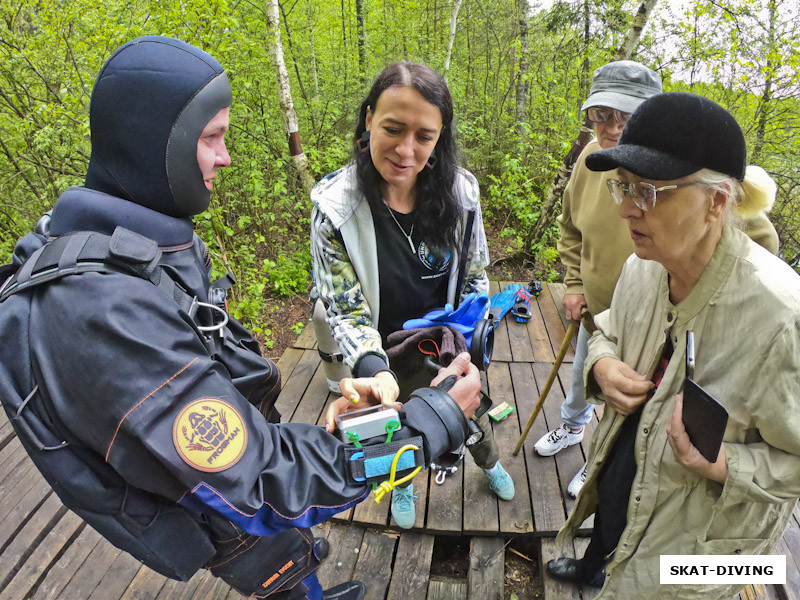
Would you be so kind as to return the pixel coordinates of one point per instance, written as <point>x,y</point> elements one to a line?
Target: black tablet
<point>704,418</point>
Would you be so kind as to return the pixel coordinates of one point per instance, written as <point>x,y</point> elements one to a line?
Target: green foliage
<point>290,275</point>
<point>512,200</point>
<point>744,54</point>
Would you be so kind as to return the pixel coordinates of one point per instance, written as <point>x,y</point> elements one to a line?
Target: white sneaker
<point>556,440</point>
<point>574,487</point>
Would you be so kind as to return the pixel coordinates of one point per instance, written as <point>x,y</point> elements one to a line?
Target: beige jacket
<point>745,314</point>
<point>595,240</point>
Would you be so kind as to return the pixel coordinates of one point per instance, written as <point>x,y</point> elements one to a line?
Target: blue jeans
<point>575,411</point>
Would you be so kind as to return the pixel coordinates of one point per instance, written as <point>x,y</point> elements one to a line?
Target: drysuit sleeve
<point>131,379</point>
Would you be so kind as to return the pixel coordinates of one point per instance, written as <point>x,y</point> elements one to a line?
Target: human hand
<point>624,389</point>
<point>466,390</point>
<point>574,305</point>
<point>362,392</point>
<point>687,454</point>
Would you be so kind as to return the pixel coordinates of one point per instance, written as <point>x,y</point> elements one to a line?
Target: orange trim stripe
<point>135,406</point>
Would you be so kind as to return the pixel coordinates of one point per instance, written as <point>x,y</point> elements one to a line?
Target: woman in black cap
<point>681,186</point>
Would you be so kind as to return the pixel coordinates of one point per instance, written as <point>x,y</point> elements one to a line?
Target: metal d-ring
<point>217,326</point>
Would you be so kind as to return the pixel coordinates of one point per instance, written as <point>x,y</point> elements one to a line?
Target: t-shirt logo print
<point>210,435</point>
<point>432,261</point>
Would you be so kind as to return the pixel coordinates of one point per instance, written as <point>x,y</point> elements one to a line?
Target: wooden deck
<point>47,552</point>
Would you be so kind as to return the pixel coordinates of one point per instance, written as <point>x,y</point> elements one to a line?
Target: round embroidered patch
<point>210,435</point>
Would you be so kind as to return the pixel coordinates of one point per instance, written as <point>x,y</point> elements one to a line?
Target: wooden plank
<point>447,588</point>
<point>412,567</point>
<point>520,341</point>
<point>211,588</point>
<point>205,582</point>
<point>547,503</point>
<point>6,430</point>
<point>521,348</point>
<point>480,503</point>
<point>287,362</point>
<point>232,595</point>
<point>570,460</point>
<point>486,568</point>
<point>372,513</point>
<point>146,585</point>
<point>502,347</point>
<point>515,515</point>
<point>789,545</point>
<point>555,329</point>
<point>759,591</point>
<point>20,502</point>
<point>11,456</point>
<point>345,545</point>
<point>553,589</point>
<point>59,534</point>
<point>374,566</point>
<point>26,541</point>
<point>296,385</point>
<point>92,570</point>
<point>313,400</point>
<point>557,291</point>
<point>307,338</point>
<point>537,332</point>
<point>422,483</point>
<point>181,590</point>
<point>20,472</point>
<point>60,574</point>
<point>117,578</point>
<point>445,502</point>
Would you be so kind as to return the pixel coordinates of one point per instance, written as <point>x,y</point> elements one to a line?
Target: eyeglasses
<point>600,114</point>
<point>642,193</point>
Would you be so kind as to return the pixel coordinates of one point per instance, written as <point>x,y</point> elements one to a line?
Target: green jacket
<point>745,314</point>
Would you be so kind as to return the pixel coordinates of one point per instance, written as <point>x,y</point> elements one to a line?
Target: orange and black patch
<point>210,435</point>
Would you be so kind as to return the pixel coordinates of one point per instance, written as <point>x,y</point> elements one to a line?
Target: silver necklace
<point>400,227</point>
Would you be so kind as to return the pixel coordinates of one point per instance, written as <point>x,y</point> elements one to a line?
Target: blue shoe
<point>500,482</point>
<point>403,509</point>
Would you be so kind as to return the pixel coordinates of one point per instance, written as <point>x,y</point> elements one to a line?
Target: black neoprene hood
<point>150,103</point>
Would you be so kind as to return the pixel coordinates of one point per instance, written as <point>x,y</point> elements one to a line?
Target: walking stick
<point>573,327</point>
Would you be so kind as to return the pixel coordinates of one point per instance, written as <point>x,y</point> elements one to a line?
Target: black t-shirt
<point>412,282</point>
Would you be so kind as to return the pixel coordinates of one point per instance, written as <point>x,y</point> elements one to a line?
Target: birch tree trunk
<point>362,58</point>
<point>547,214</point>
<point>299,159</point>
<point>522,83</point>
<point>453,25</point>
<point>634,35</point>
<point>311,47</point>
<point>764,104</point>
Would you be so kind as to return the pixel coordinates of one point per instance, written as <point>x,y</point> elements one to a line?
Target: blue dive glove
<point>472,309</point>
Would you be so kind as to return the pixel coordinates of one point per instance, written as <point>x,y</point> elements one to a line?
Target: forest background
<point>518,73</point>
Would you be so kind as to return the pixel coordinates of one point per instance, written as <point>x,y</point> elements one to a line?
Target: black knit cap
<point>674,135</point>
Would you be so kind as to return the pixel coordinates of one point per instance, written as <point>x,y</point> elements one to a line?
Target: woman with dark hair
<point>386,231</point>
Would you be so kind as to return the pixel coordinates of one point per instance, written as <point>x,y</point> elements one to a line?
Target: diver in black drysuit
<point>129,376</point>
